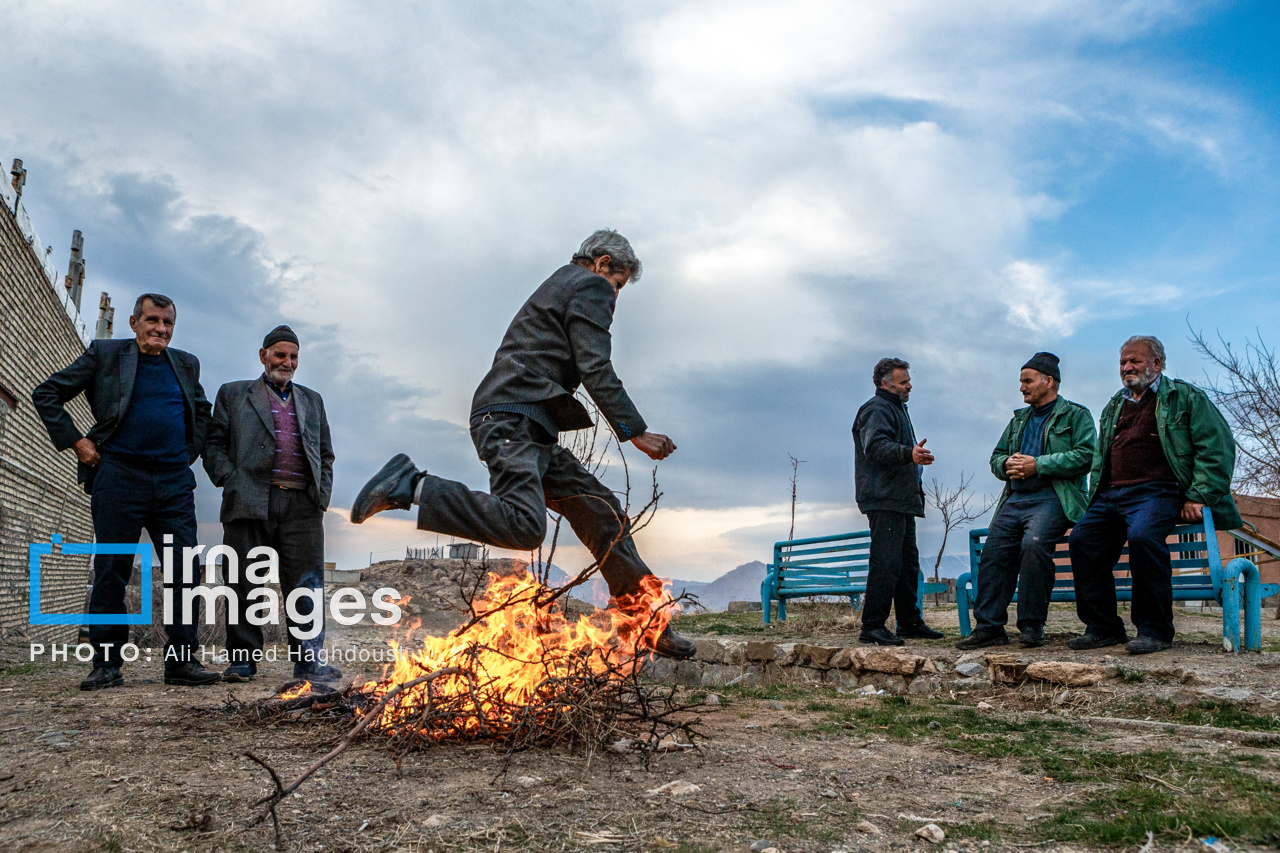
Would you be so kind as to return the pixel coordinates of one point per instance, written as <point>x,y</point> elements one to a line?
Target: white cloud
<point>1036,302</point>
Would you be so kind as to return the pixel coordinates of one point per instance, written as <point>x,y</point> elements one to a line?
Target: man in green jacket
<point>1043,457</point>
<point>1164,454</point>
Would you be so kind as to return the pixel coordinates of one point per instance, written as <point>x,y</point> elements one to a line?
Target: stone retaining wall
<point>865,668</point>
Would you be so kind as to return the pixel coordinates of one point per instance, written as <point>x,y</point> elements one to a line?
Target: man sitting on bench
<point>1164,453</point>
<point>1043,457</point>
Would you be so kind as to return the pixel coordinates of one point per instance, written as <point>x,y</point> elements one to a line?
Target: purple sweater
<point>290,466</point>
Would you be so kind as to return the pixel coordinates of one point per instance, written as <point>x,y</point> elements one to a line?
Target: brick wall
<point>38,491</point>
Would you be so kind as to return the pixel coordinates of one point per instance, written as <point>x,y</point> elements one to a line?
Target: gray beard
<point>1141,382</point>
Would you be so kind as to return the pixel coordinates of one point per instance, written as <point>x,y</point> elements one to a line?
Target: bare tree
<point>795,471</point>
<point>957,507</point>
<point>1248,395</point>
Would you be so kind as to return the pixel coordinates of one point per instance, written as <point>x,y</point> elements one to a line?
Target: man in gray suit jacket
<point>269,449</point>
<point>558,341</point>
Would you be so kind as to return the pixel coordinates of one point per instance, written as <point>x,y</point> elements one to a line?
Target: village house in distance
<point>40,332</point>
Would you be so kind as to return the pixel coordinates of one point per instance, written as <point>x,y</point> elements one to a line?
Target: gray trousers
<point>530,473</point>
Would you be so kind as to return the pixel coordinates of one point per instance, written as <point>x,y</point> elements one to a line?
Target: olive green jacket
<point>1069,439</point>
<point>1196,441</point>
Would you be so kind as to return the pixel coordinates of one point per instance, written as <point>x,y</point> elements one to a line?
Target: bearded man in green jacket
<point>1165,454</point>
<point>1043,457</point>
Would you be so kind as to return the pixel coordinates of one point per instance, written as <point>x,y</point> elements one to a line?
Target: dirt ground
<point>147,767</point>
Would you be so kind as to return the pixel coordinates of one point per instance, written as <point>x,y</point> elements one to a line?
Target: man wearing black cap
<point>1043,457</point>
<point>269,450</point>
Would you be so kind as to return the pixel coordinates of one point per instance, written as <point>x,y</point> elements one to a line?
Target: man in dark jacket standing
<point>150,422</point>
<point>887,466</point>
<point>1164,454</point>
<point>269,449</point>
<point>559,340</point>
<point>1043,457</point>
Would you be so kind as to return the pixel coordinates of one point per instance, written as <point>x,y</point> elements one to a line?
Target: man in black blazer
<point>150,422</point>
<point>887,471</point>
<point>269,449</point>
<point>558,341</point>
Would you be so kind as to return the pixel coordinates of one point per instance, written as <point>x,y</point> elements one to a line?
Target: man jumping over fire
<point>558,340</point>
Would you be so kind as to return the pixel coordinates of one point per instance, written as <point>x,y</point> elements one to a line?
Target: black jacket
<point>884,476</point>
<point>558,341</point>
<point>105,374</point>
<point>240,452</point>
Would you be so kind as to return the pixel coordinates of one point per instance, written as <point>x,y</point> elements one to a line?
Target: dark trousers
<point>1018,557</point>
<point>1144,515</point>
<point>295,529</point>
<point>125,500</point>
<point>893,570</point>
<point>530,473</point>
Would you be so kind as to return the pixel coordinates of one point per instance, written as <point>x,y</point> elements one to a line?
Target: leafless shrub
<point>1248,395</point>
<point>958,507</point>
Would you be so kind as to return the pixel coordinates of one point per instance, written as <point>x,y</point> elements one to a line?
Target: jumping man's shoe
<point>918,631</point>
<point>981,639</point>
<point>1091,641</point>
<point>238,672</point>
<point>1142,645</point>
<point>102,676</point>
<point>317,672</point>
<point>390,488</point>
<point>670,644</point>
<point>1032,636</point>
<point>880,636</point>
<point>190,674</point>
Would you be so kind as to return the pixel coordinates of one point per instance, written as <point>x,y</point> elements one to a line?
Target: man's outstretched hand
<point>654,445</point>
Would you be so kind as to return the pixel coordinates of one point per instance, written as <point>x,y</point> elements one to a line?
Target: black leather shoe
<point>1141,645</point>
<point>238,672</point>
<point>102,676</point>
<point>1089,641</point>
<point>670,644</point>
<point>880,637</point>
<point>190,674</point>
<point>390,488</point>
<point>982,639</point>
<point>317,672</point>
<point>1032,636</point>
<point>918,631</point>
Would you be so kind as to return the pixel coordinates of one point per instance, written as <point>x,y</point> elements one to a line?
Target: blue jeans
<point>1018,556</point>
<point>126,499</point>
<point>1144,515</point>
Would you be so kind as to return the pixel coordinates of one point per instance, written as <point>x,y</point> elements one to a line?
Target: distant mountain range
<point>741,584</point>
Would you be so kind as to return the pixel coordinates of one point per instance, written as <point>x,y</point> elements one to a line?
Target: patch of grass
<point>1169,793</point>
<point>781,819</point>
<point>30,668</point>
<point>1130,676</point>
<point>1165,791</point>
<point>771,691</point>
<point>1209,712</point>
<point>1225,715</point>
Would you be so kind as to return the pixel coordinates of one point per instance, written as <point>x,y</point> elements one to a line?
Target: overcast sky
<point>811,186</point>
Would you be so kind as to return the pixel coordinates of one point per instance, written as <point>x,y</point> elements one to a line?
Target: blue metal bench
<point>1198,575</point>
<point>825,565</point>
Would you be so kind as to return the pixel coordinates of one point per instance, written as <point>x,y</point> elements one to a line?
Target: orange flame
<point>294,692</point>
<point>516,647</point>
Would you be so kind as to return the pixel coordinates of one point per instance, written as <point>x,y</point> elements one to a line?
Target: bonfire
<point>518,673</point>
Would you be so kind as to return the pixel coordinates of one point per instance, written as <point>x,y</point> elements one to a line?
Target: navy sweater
<point>154,429</point>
